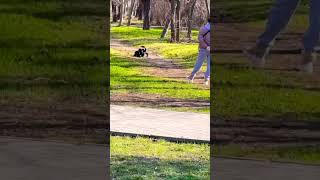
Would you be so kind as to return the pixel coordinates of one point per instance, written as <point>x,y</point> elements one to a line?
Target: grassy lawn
<point>127,75</point>
<point>298,154</point>
<point>142,158</point>
<point>269,94</point>
<point>249,10</point>
<point>51,49</point>
<point>241,92</point>
<point>181,53</point>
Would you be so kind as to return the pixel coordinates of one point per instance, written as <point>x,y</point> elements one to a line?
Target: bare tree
<point>121,9</point>
<point>172,24</point>
<point>139,11</point>
<point>208,7</point>
<point>130,12</point>
<point>192,4</point>
<point>178,20</point>
<point>166,26</point>
<point>146,19</point>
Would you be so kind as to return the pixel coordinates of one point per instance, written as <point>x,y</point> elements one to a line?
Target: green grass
<point>51,49</point>
<point>182,53</point>
<point>127,77</point>
<point>249,10</point>
<point>240,92</point>
<point>299,154</point>
<point>143,158</point>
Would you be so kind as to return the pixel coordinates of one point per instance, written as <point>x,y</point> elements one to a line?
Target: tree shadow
<point>134,167</point>
<point>70,8</point>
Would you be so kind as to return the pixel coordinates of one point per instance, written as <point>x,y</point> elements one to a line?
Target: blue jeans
<point>203,53</point>
<point>279,17</point>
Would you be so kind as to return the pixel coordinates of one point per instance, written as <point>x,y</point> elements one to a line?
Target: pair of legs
<point>279,17</point>
<point>203,54</point>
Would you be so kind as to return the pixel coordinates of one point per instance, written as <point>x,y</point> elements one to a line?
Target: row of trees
<point>176,14</point>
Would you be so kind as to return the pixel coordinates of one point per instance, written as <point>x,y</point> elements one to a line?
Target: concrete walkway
<point>236,169</point>
<point>24,159</point>
<point>153,122</point>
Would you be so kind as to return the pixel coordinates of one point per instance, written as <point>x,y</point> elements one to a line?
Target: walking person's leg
<point>278,19</point>
<point>207,73</point>
<point>201,55</point>
<point>311,37</point>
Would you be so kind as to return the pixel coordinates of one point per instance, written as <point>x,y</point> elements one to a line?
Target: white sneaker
<point>306,64</point>
<point>307,68</point>
<point>257,56</point>
<point>206,81</point>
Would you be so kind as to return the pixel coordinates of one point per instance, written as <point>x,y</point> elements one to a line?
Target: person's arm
<point>201,34</point>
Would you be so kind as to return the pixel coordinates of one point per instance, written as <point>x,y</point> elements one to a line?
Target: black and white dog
<point>141,52</point>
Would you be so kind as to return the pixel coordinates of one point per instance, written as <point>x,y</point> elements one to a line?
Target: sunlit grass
<point>181,53</point>
<point>126,76</point>
<point>45,53</point>
<point>144,158</point>
<point>241,92</point>
<point>302,154</point>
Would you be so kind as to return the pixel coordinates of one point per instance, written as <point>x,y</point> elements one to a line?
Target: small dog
<point>141,52</point>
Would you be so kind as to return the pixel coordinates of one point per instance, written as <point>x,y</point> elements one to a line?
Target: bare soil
<point>80,121</point>
<point>232,38</point>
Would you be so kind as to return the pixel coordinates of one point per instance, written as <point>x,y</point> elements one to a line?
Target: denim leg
<point>207,74</point>
<point>278,19</point>
<point>202,54</point>
<point>311,36</point>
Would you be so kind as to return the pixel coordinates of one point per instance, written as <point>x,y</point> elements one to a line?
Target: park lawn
<point>243,11</point>
<point>126,76</point>
<point>51,49</point>
<point>143,158</point>
<point>240,92</point>
<point>295,154</point>
<point>181,53</point>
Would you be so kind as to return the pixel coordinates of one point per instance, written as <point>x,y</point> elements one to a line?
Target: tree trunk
<point>130,12</point>
<point>146,11</point>
<point>178,20</point>
<point>165,27</point>
<point>121,8</point>
<point>173,17</point>
<point>114,13</point>
<point>190,15</point>
<point>208,8</point>
<point>111,10</point>
<point>140,10</point>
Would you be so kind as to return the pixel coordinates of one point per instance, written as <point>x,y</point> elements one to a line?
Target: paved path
<point>23,159</point>
<point>163,123</point>
<point>233,169</point>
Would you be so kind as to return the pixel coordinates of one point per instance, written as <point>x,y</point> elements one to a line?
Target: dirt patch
<point>233,38</point>
<point>54,120</point>
<point>269,132</point>
<point>156,65</point>
<point>157,101</point>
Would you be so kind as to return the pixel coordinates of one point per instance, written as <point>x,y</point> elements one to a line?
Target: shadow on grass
<point>69,8</point>
<point>129,167</point>
<point>40,43</point>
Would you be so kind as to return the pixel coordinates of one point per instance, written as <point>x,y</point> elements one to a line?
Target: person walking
<point>278,19</point>
<point>204,53</point>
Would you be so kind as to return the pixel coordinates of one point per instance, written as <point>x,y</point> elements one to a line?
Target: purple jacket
<point>204,41</point>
